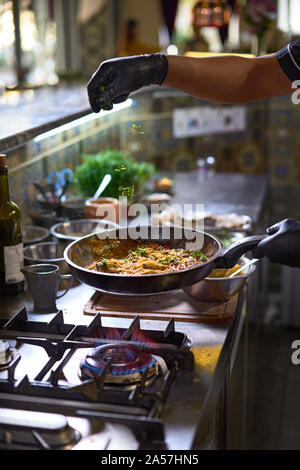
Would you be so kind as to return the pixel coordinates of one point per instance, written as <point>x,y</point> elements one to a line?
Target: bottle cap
<point>3,161</point>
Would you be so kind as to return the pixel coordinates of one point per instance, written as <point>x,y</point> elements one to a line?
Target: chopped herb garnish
<point>102,88</point>
<point>199,254</point>
<point>103,264</point>
<point>138,129</point>
<point>141,251</point>
<point>164,261</point>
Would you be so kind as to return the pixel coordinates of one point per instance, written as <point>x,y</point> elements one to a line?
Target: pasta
<point>218,273</point>
<point>140,258</point>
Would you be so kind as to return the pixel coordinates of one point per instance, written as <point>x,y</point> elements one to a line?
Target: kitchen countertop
<point>43,109</point>
<point>39,111</point>
<point>222,193</point>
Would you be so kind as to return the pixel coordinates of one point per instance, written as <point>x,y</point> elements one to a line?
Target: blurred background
<point>45,41</point>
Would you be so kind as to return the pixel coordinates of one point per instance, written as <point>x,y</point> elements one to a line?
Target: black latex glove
<point>282,246</point>
<point>115,79</point>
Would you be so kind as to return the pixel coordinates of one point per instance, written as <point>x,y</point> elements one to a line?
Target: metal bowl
<point>76,229</point>
<point>73,208</point>
<point>219,289</point>
<point>48,253</point>
<point>43,218</point>
<point>33,234</point>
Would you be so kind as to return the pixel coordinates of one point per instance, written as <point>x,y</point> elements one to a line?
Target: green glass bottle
<point>11,240</point>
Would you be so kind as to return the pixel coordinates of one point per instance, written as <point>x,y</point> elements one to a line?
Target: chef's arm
<point>221,79</point>
<point>228,79</point>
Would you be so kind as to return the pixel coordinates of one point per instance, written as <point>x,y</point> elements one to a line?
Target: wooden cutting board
<point>176,305</point>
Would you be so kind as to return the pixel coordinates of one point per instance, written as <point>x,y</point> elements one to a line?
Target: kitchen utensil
<point>66,175</point>
<point>43,281</point>
<point>66,178</point>
<point>33,234</point>
<point>75,229</point>
<point>64,190</point>
<point>212,289</point>
<point>79,256</point>
<point>105,182</point>
<point>53,184</point>
<point>59,181</point>
<point>41,190</point>
<point>161,307</point>
<point>242,268</point>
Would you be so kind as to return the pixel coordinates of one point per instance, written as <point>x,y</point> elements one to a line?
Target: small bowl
<point>156,198</point>
<point>73,208</point>
<point>109,209</point>
<point>43,218</point>
<point>47,253</point>
<point>50,205</point>
<point>219,289</point>
<point>34,234</point>
<point>76,229</point>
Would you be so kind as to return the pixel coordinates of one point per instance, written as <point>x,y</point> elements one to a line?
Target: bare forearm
<point>228,79</point>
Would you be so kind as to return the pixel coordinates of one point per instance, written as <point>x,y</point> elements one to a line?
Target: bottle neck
<point>4,190</point>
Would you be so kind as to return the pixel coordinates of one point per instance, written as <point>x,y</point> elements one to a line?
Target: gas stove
<point>61,383</point>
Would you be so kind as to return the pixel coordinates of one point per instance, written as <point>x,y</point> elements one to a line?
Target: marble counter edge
<point>20,138</point>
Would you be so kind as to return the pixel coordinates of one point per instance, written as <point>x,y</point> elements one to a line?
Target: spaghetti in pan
<point>129,257</point>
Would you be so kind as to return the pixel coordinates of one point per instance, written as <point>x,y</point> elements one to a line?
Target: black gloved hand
<point>283,244</point>
<point>115,79</point>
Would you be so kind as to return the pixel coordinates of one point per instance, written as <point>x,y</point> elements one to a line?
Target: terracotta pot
<point>107,208</point>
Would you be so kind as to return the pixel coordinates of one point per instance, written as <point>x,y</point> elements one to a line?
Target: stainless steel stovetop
<point>63,411</point>
<point>120,378</point>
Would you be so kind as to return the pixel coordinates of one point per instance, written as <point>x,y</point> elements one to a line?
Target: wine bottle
<point>11,240</point>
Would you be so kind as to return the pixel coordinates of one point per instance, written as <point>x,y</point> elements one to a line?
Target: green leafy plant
<point>132,174</point>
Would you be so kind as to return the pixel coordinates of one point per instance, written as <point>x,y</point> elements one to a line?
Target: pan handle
<point>231,255</point>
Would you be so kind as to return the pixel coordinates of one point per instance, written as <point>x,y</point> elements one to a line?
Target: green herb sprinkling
<point>127,191</point>
<point>138,129</point>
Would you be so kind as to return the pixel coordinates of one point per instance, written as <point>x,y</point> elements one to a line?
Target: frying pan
<point>79,255</point>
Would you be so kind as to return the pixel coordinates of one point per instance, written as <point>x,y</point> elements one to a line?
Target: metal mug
<point>43,281</point>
